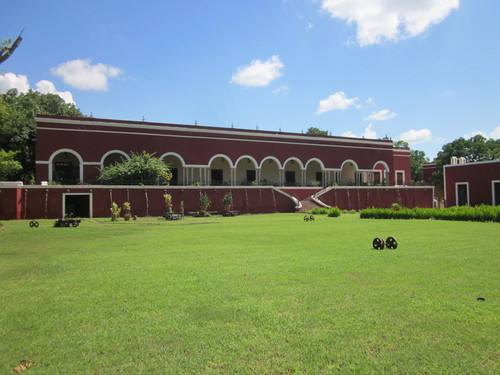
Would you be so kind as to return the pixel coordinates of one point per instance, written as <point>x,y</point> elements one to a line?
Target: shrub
<point>333,212</point>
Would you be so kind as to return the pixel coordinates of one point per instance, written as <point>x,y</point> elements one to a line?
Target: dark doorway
<point>217,177</point>
<point>251,176</point>
<point>289,178</point>
<point>175,176</point>
<point>462,195</point>
<point>77,205</point>
<point>496,193</point>
<point>319,177</point>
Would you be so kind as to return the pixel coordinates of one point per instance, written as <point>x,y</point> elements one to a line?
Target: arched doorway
<point>246,170</point>
<point>113,157</point>
<point>220,170</point>
<point>65,167</point>
<point>348,173</point>
<point>270,171</point>
<point>176,165</point>
<point>293,172</point>
<point>314,173</point>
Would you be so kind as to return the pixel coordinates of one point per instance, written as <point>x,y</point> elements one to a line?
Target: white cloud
<point>82,75</point>
<point>14,81</point>
<point>47,87</point>
<point>495,134</point>
<point>368,133</point>
<point>258,73</point>
<point>282,90</point>
<point>20,82</point>
<point>335,102</point>
<point>382,115</point>
<point>413,136</point>
<point>380,20</point>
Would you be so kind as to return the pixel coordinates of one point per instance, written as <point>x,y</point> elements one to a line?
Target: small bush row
<point>331,212</point>
<point>481,213</point>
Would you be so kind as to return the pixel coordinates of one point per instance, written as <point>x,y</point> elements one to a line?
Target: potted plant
<point>168,203</point>
<point>128,214</point>
<point>227,202</point>
<point>204,202</point>
<point>115,211</point>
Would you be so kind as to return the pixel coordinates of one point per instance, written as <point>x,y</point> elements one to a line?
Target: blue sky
<point>425,71</point>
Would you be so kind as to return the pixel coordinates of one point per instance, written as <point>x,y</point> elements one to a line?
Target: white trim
<point>493,200</point>
<point>384,164</point>
<point>206,129</point>
<point>293,158</point>
<point>388,149</point>
<point>271,158</point>
<point>243,157</point>
<point>176,155</point>
<point>68,150</point>
<point>472,163</point>
<point>120,152</point>
<point>350,161</point>
<point>91,213</point>
<point>396,177</point>
<point>321,165</point>
<point>456,192</point>
<point>225,157</point>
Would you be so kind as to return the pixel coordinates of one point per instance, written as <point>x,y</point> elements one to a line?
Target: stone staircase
<point>307,204</point>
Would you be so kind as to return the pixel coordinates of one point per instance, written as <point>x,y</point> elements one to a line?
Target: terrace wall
<point>38,202</point>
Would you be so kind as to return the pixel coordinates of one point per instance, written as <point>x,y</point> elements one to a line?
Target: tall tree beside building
<point>17,125</point>
<point>477,148</point>
<point>417,160</point>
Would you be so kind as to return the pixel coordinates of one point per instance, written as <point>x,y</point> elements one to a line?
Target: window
<point>251,176</point>
<point>290,178</point>
<point>495,190</point>
<point>400,177</point>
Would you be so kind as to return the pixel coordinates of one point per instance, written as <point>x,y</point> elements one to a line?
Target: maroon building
<point>472,183</point>
<point>72,150</point>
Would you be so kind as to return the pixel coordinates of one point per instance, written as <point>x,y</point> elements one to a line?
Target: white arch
<point>221,156</point>
<point>247,157</point>
<point>294,159</point>
<point>316,160</point>
<point>70,151</point>
<point>386,167</point>
<point>350,161</point>
<point>270,158</point>
<point>122,153</point>
<point>183,163</point>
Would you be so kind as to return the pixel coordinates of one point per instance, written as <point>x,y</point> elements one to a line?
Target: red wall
<point>477,175</point>
<point>357,198</point>
<point>38,202</point>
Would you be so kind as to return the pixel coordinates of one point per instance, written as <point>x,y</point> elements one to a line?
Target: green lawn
<point>263,294</point>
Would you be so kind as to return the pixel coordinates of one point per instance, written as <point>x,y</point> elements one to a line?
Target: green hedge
<point>331,212</point>
<point>462,213</point>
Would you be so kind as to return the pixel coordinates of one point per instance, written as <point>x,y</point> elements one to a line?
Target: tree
<point>17,124</point>
<point>316,131</point>
<point>477,148</point>
<point>8,166</point>
<point>417,160</point>
<point>141,169</point>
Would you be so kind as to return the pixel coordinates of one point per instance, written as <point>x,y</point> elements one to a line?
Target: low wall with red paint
<point>357,198</point>
<point>38,202</point>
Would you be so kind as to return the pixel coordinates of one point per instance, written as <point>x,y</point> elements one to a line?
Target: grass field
<point>263,294</point>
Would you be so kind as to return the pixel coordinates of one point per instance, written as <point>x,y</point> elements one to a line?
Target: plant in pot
<point>168,203</point>
<point>227,202</point>
<point>204,202</point>
<point>115,211</point>
<point>128,213</point>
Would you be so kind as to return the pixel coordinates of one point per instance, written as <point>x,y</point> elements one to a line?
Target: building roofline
<point>473,163</point>
<point>91,121</point>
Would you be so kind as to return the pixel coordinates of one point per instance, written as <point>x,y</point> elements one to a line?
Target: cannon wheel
<point>378,243</point>
<point>306,218</point>
<point>34,224</point>
<point>391,243</point>
<point>311,218</point>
